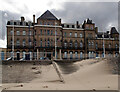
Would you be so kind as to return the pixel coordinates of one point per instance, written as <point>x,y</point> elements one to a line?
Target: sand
<point>89,74</point>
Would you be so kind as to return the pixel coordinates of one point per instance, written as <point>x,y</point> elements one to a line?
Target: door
<point>2,55</point>
<point>18,56</point>
<point>27,56</point>
<point>49,55</point>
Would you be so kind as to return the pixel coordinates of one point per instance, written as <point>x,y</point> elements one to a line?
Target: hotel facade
<point>48,37</point>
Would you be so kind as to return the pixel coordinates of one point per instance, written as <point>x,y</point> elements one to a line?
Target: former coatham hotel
<point>38,39</point>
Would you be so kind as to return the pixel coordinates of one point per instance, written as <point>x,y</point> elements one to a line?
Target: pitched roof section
<point>48,15</point>
<point>113,30</point>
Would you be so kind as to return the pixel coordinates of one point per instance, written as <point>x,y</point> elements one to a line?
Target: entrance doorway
<point>27,56</point>
<point>18,56</point>
<point>49,55</point>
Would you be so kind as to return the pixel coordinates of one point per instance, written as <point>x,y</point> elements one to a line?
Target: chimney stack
<point>22,19</point>
<point>77,24</point>
<point>34,19</point>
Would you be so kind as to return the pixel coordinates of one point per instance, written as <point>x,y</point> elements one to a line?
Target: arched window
<point>97,54</point>
<point>76,55</point>
<point>76,45</point>
<point>65,43</point>
<point>65,55</point>
<point>116,45</point>
<point>71,43</point>
<point>81,55</point>
<point>24,54</point>
<point>81,44</point>
<point>92,44</point>
<point>89,43</point>
<point>89,54</point>
<point>71,55</point>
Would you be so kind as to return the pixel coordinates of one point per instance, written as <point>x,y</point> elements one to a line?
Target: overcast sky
<point>103,14</point>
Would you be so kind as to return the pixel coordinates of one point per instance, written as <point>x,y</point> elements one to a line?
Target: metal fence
<point>51,55</point>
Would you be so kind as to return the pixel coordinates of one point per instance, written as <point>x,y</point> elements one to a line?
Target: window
<point>76,55</point>
<point>92,44</point>
<point>24,32</point>
<point>18,42</point>
<point>75,34</point>
<point>87,26</point>
<point>91,27</point>
<point>30,43</point>
<point>24,42</point>
<point>65,44</point>
<point>96,45</point>
<point>44,32</point>
<point>18,33</point>
<point>24,54</point>
<point>89,43</point>
<point>30,33</point>
<point>116,46</point>
<point>65,55</point>
<point>56,32</point>
<point>71,55</point>
<point>11,32</point>
<point>65,34</point>
<point>97,54</point>
<point>48,32</point>
<point>81,35</point>
<point>30,52</point>
<point>81,44</point>
<point>35,42</point>
<point>41,42</point>
<point>70,34</point>
<point>89,54</point>
<point>90,35</point>
<point>116,54</point>
<point>81,55</point>
<point>41,32</point>
<point>76,45</point>
<point>70,43</point>
<point>67,26</point>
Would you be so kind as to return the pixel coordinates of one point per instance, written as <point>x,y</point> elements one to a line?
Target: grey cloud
<point>102,13</point>
<point>4,19</point>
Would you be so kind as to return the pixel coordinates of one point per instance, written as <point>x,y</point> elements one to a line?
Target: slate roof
<point>48,15</point>
<point>113,30</point>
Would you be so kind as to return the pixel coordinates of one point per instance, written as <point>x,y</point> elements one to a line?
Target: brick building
<point>34,40</point>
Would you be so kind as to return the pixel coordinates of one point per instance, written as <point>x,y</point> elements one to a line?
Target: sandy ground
<point>83,75</point>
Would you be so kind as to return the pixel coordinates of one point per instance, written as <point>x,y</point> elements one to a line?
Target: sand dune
<point>89,75</point>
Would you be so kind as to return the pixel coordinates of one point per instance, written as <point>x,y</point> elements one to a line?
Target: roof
<point>113,30</point>
<point>48,15</point>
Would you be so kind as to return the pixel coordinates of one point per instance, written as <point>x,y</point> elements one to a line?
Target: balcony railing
<point>108,49</point>
<point>21,47</point>
<point>73,47</point>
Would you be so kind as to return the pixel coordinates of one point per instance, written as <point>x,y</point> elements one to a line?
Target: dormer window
<point>67,26</point>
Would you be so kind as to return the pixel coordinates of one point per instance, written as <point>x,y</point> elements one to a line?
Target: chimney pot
<point>22,19</point>
<point>34,19</point>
